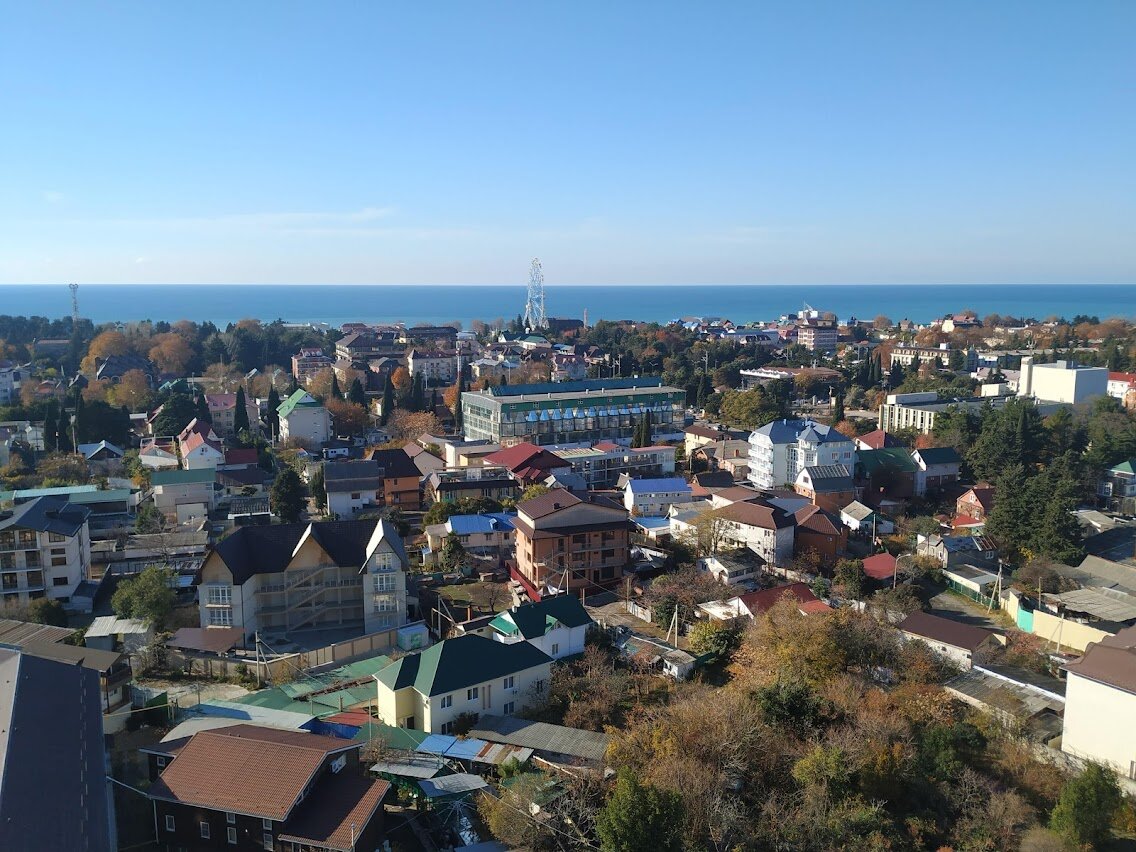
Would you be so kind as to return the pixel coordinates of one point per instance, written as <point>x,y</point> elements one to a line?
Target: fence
<point>283,668</point>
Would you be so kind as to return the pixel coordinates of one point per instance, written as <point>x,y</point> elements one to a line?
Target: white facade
<point>651,502</point>
<point>558,642</point>
<point>308,423</point>
<point>780,450</point>
<point>775,546</point>
<point>1098,724</point>
<point>346,504</point>
<point>1062,381</point>
<point>203,457</point>
<point>36,564</point>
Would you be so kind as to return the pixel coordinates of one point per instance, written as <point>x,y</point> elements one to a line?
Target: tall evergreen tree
<point>50,426</point>
<point>63,442</point>
<point>388,402</point>
<point>356,394</point>
<point>240,416</point>
<point>273,416</point>
<point>287,497</point>
<point>202,409</point>
<point>336,393</point>
<point>838,408</point>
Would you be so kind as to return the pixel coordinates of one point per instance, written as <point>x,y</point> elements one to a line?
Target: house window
<point>538,687</point>
<point>509,682</point>
<point>169,822</point>
<point>447,728</point>
<point>266,824</point>
<point>555,648</point>
<point>355,495</point>
<point>384,582</point>
<point>55,538</point>
<point>161,762</point>
<point>205,830</point>
<point>220,596</point>
<point>447,702</point>
<point>31,559</point>
<point>231,819</point>
<point>58,561</point>
<point>510,708</point>
<point>220,618</point>
<point>60,581</point>
<point>231,835</point>
<point>10,581</point>
<point>471,694</point>
<point>268,841</point>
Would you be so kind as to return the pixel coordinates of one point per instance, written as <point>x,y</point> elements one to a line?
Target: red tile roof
<point>336,813</point>
<point>965,521</point>
<point>983,495</point>
<point>1122,377</point>
<point>880,567</point>
<point>246,769</point>
<point>817,520</point>
<point>759,602</point>
<point>879,440</point>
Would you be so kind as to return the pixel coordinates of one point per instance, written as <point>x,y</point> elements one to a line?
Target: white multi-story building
<point>1100,703</point>
<point>1062,381</point>
<point>303,417</point>
<point>763,528</point>
<point>45,550</point>
<point>11,375</point>
<point>780,450</point>
<point>287,577</point>
<point>436,368</point>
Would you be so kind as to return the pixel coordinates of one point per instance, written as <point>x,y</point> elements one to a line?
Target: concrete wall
<point>1098,724</point>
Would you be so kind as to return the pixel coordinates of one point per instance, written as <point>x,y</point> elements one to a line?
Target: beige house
<point>287,577</point>
<point>461,678</point>
<point>1100,703</point>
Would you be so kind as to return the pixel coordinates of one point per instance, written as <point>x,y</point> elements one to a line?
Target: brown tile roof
<point>817,520</point>
<point>246,769</point>
<point>945,630</point>
<point>759,602</point>
<point>983,495</point>
<point>879,440</point>
<point>759,514</point>
<point>737,494</point>
<point>546,504</point>
<point>337,812</point>
<point>1111,661</point>
<point>880,567</point>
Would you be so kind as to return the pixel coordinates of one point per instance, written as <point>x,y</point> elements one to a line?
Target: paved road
<point>963,609</point>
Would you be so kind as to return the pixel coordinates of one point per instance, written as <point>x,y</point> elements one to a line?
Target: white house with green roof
<point>469,675</point>
<point>184,493</point>
<point>303,416</point>
<point>1117,485</point>
<point>558,625</point>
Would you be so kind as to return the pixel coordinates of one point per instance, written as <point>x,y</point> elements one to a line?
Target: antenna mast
<point>534,305</point>
<point>74,305</point>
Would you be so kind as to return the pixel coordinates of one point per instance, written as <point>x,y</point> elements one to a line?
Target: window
<point>60,581</point>
<point>231,835</point>
<point>169,822</point>
<point>509,708</point>
<point>220,618</point>
<point>384,582</point>
<point>354,495</point>
<point>27,538</point>
<point>31,559</point>
<point>447,728</point>
<point>205,830</point>
<point>58,561</point>
<point>538,687</point>
<point>59,551</point>
<point>555,648</point>
<point>508,682</point>
<point>220,596</point>
<point>9,581</point>
<point>268,841</point>
<point>231,819</point>
<point>447,702</point>
<point>266,824</point>
<point>161,761</point>
<point>471,694</point>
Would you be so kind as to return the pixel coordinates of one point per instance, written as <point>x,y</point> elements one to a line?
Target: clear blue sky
<point>622,142</point>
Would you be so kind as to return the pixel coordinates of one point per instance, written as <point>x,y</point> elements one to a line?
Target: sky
<point>622,143</point>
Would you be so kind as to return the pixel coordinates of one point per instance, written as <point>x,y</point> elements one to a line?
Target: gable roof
<point>983,495</point>
<point>246,769</point>
<point>182,477</point>
<point>458,663</point>
<point>355,475</point>
<point>392,463</point>
<point>268,549</point>
<point>483,524</point>
<point>759,602</point>
<point>654,486</point>
<point>881,566</point>
<point>826,478</point>
<point>945,630</point>
<point>546,504</point>
<point>756,514</point>
<point>527,461</point>
<point>939,455</point>
<point>878,439</point>
<point>817,520</point>
<point>300,399</point>
<point>889,458</point>
<point>53,513</point>
<point>533,620</point>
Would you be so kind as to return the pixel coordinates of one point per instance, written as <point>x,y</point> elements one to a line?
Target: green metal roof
<point>455,664</point>
<point>889,458</point>
<point>1125,467</point>
<point>535,619</point>
<point>299,399</point>
<point>940,455</point>
<point>400,738</point>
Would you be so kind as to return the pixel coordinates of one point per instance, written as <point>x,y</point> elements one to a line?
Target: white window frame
<point>266,824</point>
<point>204,830</point>
<point>555,648</point>
<point>231,836</point>
<point>472,693</point>
<point>447,702</point>
<point>230,819</point>
<point>508,682</point>
<point>171,825</point>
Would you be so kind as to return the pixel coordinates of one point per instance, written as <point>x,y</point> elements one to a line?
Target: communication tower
<point>74,304</point>
<point>534,305</point>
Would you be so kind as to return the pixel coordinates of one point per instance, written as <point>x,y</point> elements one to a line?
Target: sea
<point>335,304</point>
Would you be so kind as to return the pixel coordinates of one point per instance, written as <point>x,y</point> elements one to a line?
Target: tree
<point>400,378</point>
<point>388,402</point>
<point>849,576</point>
<point>348,418</point>
<point>838,409</point>
<point>453,552</point>
<point>51,426</point>
<point>148,596</point>
<point>47,611</point>
<point>356,394</point>
<point>177,411</point>
<point>320,385</point>
<point>318,488</point>
<point>201,410</point>
<point>103,346</point>
<point>336,393</point>
<point>273,416</point>
<point>63,441</point>
<point>99,421</point>
<point>713,637</point>
<point>1084,812</point>
<point>240,416</point>
<point>640,818</point>
<point>287,498</point>
<point>533,491</point>
<point>171,353</point>
<point>132,391</point>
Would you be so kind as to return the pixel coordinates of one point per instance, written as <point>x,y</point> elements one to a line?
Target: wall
<point>498,696</point>
<point>1098,723</point>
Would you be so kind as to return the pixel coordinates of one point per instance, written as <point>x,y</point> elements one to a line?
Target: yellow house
<point>465,676</point>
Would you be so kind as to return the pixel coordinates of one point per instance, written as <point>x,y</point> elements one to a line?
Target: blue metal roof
<point>650,486</point>
<point>488,523</point>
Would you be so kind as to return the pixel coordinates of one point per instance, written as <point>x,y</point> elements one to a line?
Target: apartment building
<point>436,368</point>
<point>817,336</point>
<point>765,529</point>
<point>308,362</point>
<point>223,410</point>
<point>780,450</point>
<point>302,416</point>
<point>909,355</point>
<point>399,477</point>
<point>565,543</point>
<point>45,549</point>
<point>285,577</point>
<point>572,412</point>
<point>11,375</point>
<point>1062,381</point>
<point>601,465</point>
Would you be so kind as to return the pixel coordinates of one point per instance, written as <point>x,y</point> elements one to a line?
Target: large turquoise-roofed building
<point>572,412</point>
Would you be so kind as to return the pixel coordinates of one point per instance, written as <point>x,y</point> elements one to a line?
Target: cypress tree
<point>388,402</point>
<point>50,427</point>
<point>273,416</point>
<point>356,393</point>
<point>202,413</point>
<point>63,434</point>
<point>336,393</point>
<point>838,409</point>
<point>240,417</point>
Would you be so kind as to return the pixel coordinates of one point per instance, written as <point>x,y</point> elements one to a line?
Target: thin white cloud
<point>52,196</point>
